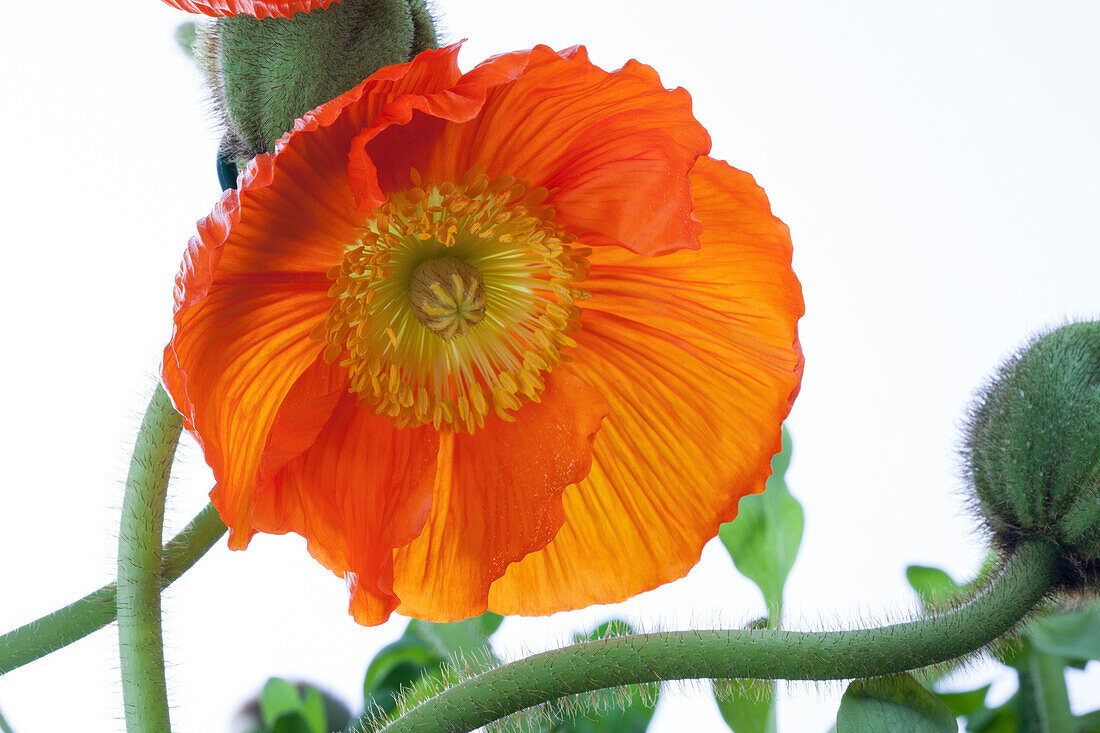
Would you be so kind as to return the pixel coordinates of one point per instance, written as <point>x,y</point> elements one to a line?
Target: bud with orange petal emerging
<point>266,73</point>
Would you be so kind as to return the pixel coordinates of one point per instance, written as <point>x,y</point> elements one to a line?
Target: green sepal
<point>764,538</point>
<point>896,704</point>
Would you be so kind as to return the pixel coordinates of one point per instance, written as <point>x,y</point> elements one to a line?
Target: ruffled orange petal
<point>614,148</point>
<point>233,358</point>
<point>362,488</point>
<point>697,354</point>
<point>256,275</point>
<point>257,8</point>
<point>294,212</point>
<point>497,498</point>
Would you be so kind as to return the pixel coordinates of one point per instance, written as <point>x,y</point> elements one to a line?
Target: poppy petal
<point>497,498</point>
<point>363,488</point>
<point>614,148</point>
<point>697,354</point>
<point>233,358</point>
<point>294,212</point>
<point>257,8</point>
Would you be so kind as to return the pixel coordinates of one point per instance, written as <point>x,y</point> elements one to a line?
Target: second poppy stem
<point>97,609</point>
<point>1027,577</point>
<point>141,646</point>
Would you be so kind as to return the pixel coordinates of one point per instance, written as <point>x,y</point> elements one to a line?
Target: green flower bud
<point>1033,449</point>
<point>268,72</point>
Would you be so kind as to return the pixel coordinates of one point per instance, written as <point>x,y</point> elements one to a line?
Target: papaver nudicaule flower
<point>506,340</point>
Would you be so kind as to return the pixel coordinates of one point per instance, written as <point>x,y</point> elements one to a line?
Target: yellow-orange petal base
<point>256,8</point>
<point>502,340</point>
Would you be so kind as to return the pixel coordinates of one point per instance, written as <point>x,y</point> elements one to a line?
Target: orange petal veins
<point>497,498</point>
<point>253,282</point>
<point>233,358</point>
<point>697,354</point>
<point>363,488</point>
<point>614,148</point>
<point>293,211</point>
<point>257,8</point>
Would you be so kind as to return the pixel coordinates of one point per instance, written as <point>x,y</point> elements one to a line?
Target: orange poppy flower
<point>504,340</point>
<point>257,8</point>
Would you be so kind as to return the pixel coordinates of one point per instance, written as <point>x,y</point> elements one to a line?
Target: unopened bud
<point>1033,449</point>
<point>268,72</point>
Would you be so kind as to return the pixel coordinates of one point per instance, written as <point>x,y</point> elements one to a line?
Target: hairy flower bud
<point>1033,449</point>
<point>266,73</point>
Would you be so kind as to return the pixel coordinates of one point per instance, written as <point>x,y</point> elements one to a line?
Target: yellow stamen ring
<point>454,302</point>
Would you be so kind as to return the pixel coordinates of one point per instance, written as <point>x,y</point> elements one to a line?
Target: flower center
<point>447,296</point>
<point>456,299</point>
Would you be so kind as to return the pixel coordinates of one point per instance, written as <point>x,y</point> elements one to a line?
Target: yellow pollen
<point>455,301</point>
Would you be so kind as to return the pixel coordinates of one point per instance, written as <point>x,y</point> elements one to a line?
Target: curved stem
<point>1027,577</point>
<point>97,609</point>
<point>141,647</point>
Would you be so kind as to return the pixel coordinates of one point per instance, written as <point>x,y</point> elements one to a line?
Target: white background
<point>938,165</point>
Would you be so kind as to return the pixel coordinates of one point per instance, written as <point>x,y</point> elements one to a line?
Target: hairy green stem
<point>97,609</point>
<point>1043,698</point>
<point>4,727</point>
<point>140,642</point>
<point>1027,577</point>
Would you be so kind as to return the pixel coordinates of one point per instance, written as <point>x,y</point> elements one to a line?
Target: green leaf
<point>292,723</point>
<point>460,637</point>
<point>489,623</point>
<point>396,665</point>
<point>1042,700</point>
<point>932,585</point>
<point>1087,723</point>
<point>965,703</point>
<point>606,630</point>
<point>278,698</point>
<point>1004,719</point>
<point>892,705</point>
<point>185,37</point>
<point>747,706</point>
<point>313,711</point>
<point>763,540</point>
<point>634,718</point>
<point>1074,635</point>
